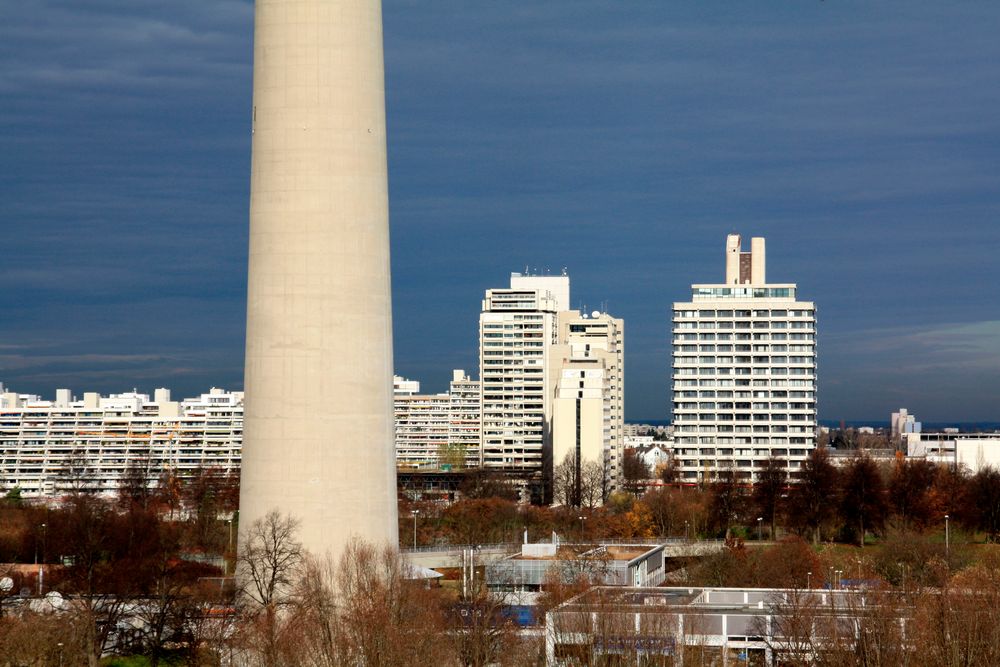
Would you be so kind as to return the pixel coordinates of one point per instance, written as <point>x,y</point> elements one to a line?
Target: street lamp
<point>415,513</point>
<point>230,522</point>
<point>809,580</point>
<point>947,538</point>
<point>759,519</point>
<point>686,524</point>
<point>840,576</point>
<point>582,519</point>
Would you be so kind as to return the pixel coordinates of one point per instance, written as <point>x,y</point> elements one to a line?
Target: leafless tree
<point>268,566</point>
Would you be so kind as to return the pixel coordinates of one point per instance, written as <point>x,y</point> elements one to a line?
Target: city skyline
<point>861,141</point>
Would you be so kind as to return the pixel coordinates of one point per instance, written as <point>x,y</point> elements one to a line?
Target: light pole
<point>831,577</point>
<point>759,519</point>
<point>582,519</point>
<point>415,513</point>
<point>840,576</point>
<point>809,581</point>
<point>60,645</point>
<point>947,538</point>
<point>230,522</point>
<point>686,538</point>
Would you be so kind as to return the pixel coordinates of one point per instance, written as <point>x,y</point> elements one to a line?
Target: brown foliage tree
<point>863,501</point>
<point>768,490</point>
<point>813,500</point>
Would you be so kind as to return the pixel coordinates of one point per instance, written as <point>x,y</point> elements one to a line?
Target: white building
<point>903,422</point>
<point>744,371</point>
<point>588,419</point>
<point>517,330</point>
<point>465,417</point>
<point>972,451</point>
<point>49,448</point>
<point>439,430</point>
<point>403,387</point>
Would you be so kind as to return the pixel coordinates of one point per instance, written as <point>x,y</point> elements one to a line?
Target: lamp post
<point>759,519</point>
<point>582,519</point>
<point>229,521</point>
<point>809,580</point>
<point>415,513</point>
<point>686,524</point>
<point>947,539</point>
<point>831,577</point>
<point>840,576</point>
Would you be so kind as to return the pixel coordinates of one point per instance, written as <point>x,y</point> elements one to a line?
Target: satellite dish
<point>596,314</point>
<point>6,585</point>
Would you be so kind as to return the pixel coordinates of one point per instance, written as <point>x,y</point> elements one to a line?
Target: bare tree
<point>267,568</point>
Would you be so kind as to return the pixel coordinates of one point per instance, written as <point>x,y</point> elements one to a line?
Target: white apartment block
<point>517,330</point>
<point>744,372</point>
<point>588,418</point>
<point>435,431</point>
<point>49,448</point>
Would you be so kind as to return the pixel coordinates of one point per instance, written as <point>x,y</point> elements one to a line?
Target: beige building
<point>744,371</point>
<point>588,419</point>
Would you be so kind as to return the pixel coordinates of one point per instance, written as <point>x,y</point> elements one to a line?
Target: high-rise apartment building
<point>517,330</point>
<point>588,419</point>
<point>744,371</point>
<point>50,448</point>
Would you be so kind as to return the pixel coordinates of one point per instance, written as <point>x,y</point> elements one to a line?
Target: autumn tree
<point>364,609</point>
<point>635,471</point>
<point>910,490</point>
<point>863,501</point>
<point>768,490</point>
<point>728,500</point>
<point>984,502</point>
<point>813,499</point>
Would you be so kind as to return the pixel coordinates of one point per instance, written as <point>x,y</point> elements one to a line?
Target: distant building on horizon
<point>744,372</point>
<point>903,422</point>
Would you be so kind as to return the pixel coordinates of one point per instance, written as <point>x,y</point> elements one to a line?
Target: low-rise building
<point>972,451</point>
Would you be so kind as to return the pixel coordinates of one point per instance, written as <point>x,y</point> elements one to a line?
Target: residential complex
<point>50,448</point>
<point>436,431</point>
<point>744,371</point>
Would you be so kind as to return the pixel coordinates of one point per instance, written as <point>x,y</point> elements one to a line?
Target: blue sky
<point>620,140</point>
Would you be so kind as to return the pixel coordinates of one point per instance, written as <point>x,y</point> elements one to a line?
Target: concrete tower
<point>319,424</point>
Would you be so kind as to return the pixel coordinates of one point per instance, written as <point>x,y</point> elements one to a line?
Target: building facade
<point>744,372</point>
<point>588,419</point>
<point>439,431</point>
<point>51,448</point>
<point>518,327</point>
